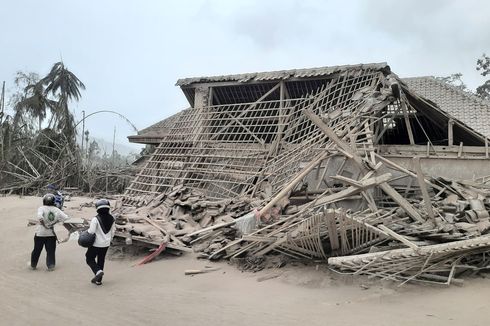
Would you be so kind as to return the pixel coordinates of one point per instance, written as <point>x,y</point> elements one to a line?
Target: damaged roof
<point>280,74</point>
<point>154,133</point>
<point>464,106</point>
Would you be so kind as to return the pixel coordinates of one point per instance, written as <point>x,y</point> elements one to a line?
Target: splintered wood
<point>302,177</point>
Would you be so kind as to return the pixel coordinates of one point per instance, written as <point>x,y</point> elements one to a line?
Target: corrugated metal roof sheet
<point>464,106</point>
<point>280,74</point>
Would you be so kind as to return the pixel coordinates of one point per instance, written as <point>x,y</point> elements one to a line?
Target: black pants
<point>93,253</point>
<point>50,244</point>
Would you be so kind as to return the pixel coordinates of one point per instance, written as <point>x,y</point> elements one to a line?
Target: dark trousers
<point>94,253</point>
<point>50,244</point>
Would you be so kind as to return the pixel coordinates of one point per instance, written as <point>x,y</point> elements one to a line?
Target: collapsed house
<point>344,163</point>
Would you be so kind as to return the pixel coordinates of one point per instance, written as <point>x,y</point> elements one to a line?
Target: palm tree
<point>63,85</point>
<point>35,103</point>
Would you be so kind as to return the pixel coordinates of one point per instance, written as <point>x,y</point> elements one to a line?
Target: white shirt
<point>50,215</point>
<point>102,239</point>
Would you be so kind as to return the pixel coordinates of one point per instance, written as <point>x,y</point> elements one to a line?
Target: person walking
<point>45,236</point>
<point>103,226</point>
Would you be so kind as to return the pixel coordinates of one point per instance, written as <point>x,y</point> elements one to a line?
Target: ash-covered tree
<point>64,86</point>
<point>483,66</point>
<point>30,144</point>
<point>454,80</point>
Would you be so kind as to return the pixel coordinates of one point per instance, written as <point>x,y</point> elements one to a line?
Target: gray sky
<point>130,53</point>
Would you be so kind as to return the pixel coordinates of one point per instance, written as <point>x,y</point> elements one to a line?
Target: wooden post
<point>450,137</point>
<point>210,96</point>
<point>333,137</point>
<point>83,131</point>
<point>423,188</point>
<point>460,151</point>
<point>486,147</point>
<point>407,121</point>
<point>332,229</point>
<point>113,147</point>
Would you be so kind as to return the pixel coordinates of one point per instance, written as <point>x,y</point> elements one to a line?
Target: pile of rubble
<point>407,240</point>
<point>174,218</point>
<point>307,178</point>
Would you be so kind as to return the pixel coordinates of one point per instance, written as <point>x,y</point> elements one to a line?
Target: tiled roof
<point>464,106</point>
<point>158,129</point>
<point>280,74</point>
<point>161,126</point>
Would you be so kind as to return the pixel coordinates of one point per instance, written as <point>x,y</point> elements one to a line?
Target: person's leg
<point>36,252</point>
<point>101,257</point>
<point>90,259</point>
<point>50,244</point>
<point>101,262</point>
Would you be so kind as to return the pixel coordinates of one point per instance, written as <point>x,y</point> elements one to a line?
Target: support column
<point>201,97</point>
<point>450,137</point>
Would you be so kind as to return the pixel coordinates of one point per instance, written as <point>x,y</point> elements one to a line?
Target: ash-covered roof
<point>153,133</point>
<point>280,74</point>
<point>464,106</point>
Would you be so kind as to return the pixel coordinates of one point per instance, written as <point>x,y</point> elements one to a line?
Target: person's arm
<point>93,226</point>
<point>62,216</point>
<point>113,230</point>
<point>40,216</point>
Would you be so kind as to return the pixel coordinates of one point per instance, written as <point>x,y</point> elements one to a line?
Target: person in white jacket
<point>48,216</point>
<point>103,226</point>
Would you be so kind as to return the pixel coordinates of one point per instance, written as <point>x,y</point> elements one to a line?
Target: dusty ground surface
<point>159,294</point>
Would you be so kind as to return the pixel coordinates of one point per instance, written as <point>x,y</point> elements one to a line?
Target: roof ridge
<point>274,75</point>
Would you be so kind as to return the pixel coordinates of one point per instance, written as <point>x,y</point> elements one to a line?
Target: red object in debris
<point>151,256</point>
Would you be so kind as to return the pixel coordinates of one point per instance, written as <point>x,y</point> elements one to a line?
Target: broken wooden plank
<point>333,236</point>
<point>201,271</point>
<point>307,169</point>
<point>423,188</point>
<point>363,185</point>
<point>398,237</point>
<point>412,212</point>
<point>332,135</point>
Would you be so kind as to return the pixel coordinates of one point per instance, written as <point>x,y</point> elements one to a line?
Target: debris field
<point>331,164</point>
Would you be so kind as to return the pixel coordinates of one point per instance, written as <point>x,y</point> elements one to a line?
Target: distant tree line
<point>38,136</point>
<point>483,66</point>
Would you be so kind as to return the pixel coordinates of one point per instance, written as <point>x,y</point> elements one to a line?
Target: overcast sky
<point>129,54</point>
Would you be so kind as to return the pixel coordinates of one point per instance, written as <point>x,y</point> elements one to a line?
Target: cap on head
<point>102,203</point>
<point>49,200</point>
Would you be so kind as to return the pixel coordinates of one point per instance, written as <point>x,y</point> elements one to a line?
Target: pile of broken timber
<point>177,217</point>
<point>388,243</point>
<point>365,214</point>
<point>436,232</point>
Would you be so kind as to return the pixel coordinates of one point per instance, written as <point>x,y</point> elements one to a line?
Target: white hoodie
<point>102,239</point>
